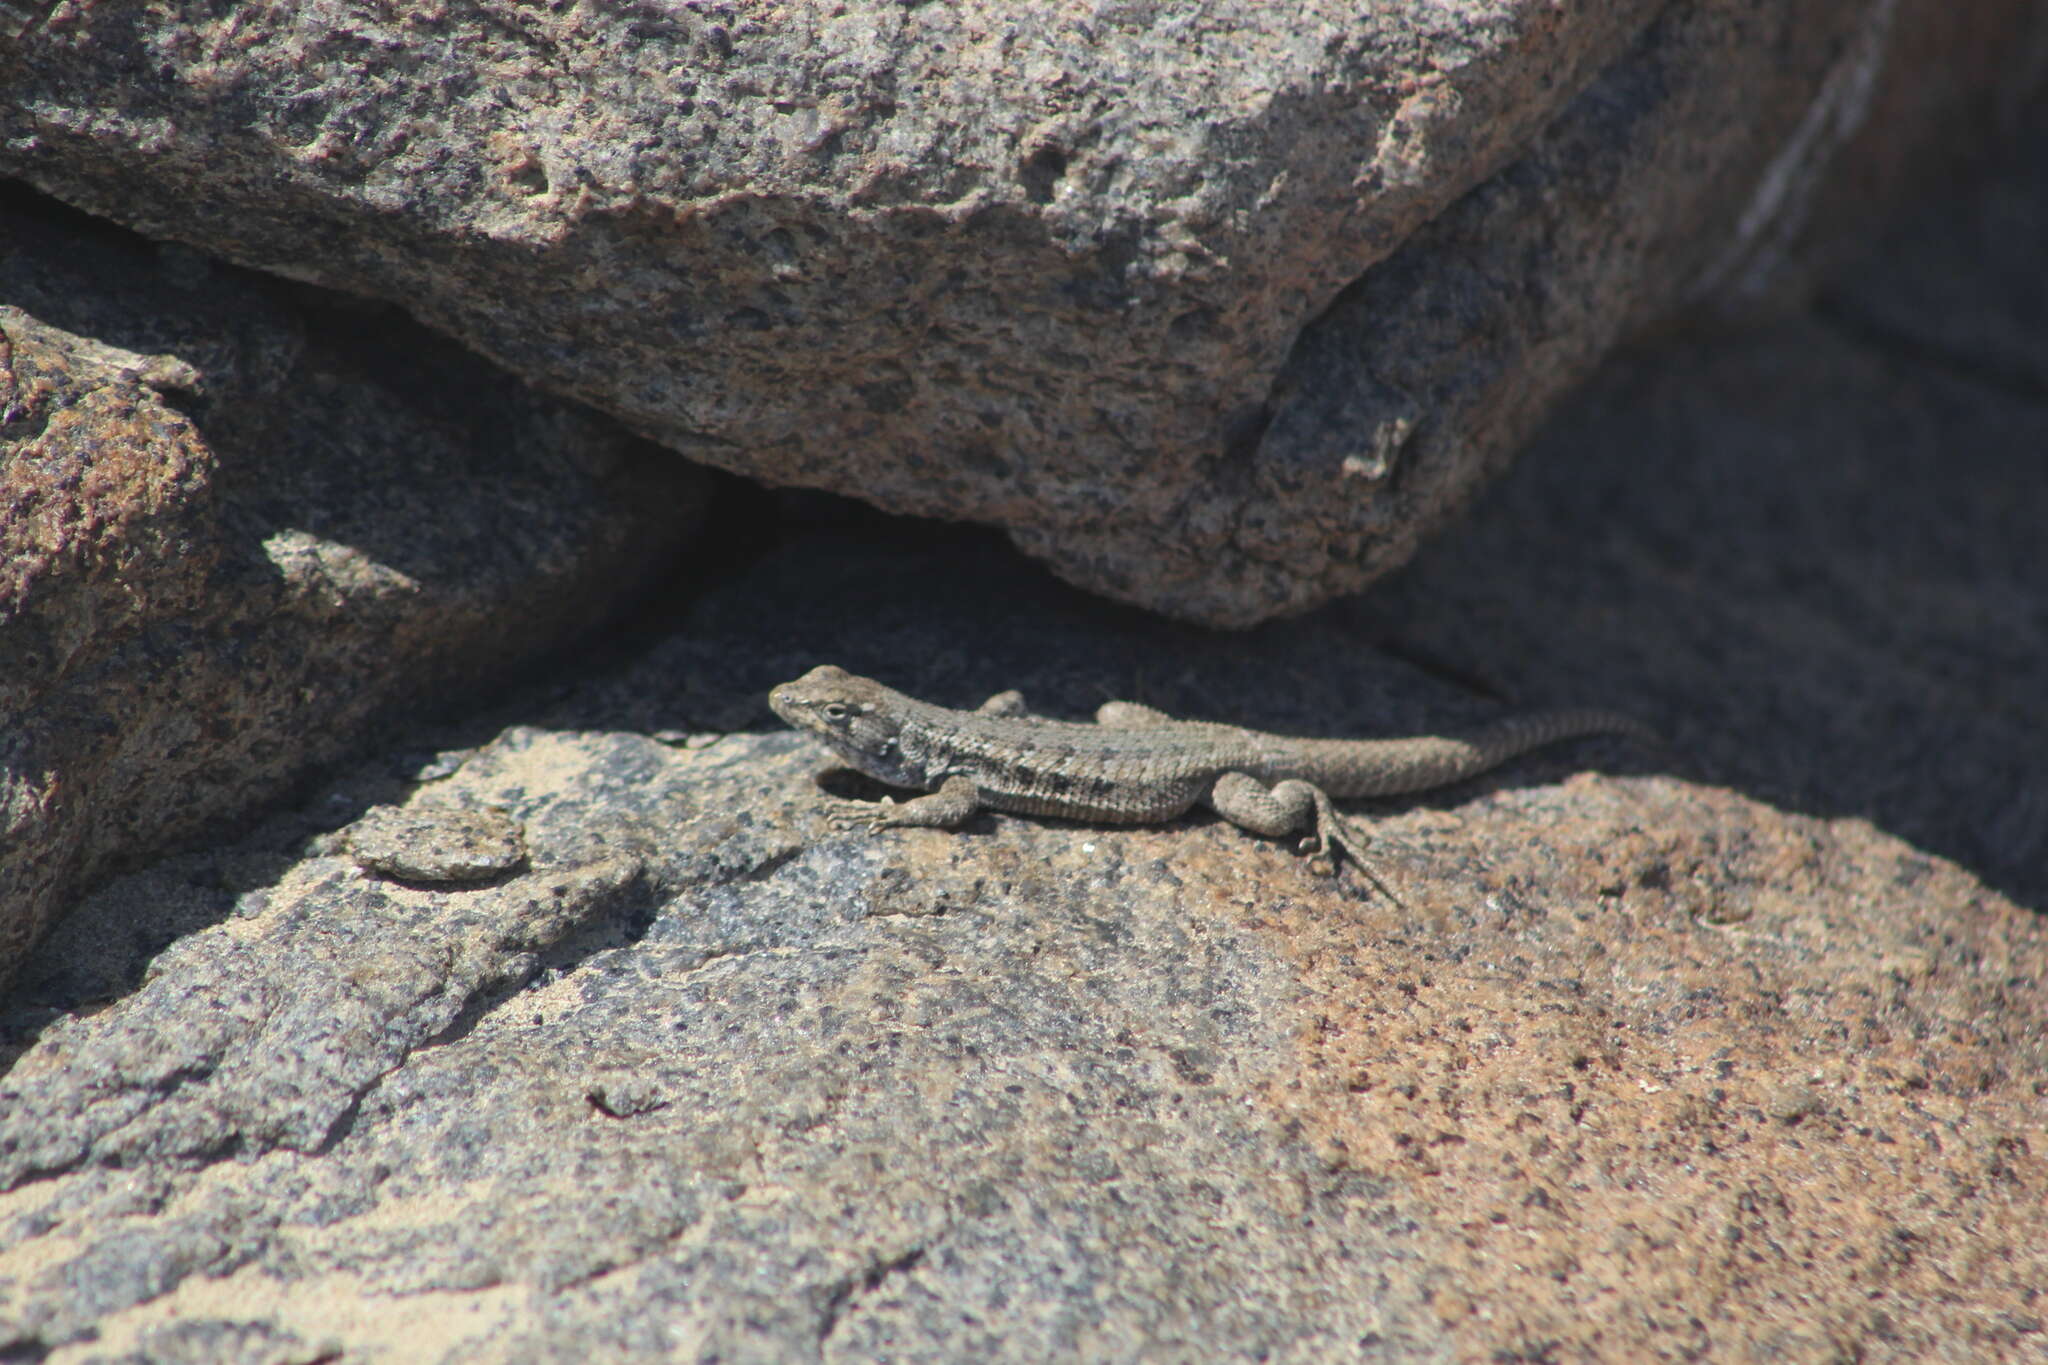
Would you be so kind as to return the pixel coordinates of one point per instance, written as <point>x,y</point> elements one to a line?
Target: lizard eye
<point>834,710</point>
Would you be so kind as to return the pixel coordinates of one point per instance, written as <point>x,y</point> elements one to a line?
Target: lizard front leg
<point>951,806</point>
<point>1292,806</point>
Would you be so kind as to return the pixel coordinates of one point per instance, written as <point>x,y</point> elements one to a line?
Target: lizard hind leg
<point>1130,715</point>
<point>1010,703</point>
<point>1292,806</point>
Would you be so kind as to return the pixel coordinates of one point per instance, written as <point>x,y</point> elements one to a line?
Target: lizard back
<point>1052,767</point>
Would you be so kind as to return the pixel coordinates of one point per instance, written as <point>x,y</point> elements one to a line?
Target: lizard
<point>1137,765</point>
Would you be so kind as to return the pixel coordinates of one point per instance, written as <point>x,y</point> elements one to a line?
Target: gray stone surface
<point>1730,1052</point>
<point>437,844</point>
<point>239,527</point>
<point>716,1082</point>
<point>1217,309</point>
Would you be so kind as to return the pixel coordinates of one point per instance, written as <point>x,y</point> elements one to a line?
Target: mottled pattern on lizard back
<point>1136,765</point>
<point>1024,764</point>
<point>1049,767</point>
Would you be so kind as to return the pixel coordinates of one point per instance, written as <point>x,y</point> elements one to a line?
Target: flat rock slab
<point>1632,1066</point>
<point>1218,309</point>
<point>437,845</point>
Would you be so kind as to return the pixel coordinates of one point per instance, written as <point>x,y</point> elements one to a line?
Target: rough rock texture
<point>1735,1051</point>
<point>1636,1067</point>
<point>1200,304</point>
<point>234,532</point>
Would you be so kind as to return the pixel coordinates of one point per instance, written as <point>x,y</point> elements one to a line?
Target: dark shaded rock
<point>235,531</point>
<point>1217,311</point>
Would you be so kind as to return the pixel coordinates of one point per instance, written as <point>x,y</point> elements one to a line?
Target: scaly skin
<point>1136,765</point>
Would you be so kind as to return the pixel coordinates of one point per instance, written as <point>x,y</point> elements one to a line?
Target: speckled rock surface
<point>1736,1050</point>
<point>1636,1067</point>
<point>1217,309</point>
<point>437,844</point>
<point>235,532</point>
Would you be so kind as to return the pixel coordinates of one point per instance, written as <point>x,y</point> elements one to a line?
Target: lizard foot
<point>1318,854</point>
<point>1334,834</point>
<point>866,816</point>
<point>1288,807</point>
<point>947,808</point>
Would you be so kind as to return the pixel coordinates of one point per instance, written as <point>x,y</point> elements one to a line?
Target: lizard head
<point>858,718</point>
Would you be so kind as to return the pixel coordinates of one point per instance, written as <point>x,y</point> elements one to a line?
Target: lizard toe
<point>855,815</point>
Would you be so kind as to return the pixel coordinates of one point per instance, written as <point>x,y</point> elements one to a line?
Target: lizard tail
<point>1504,739</point>
<point>1396,766</point>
